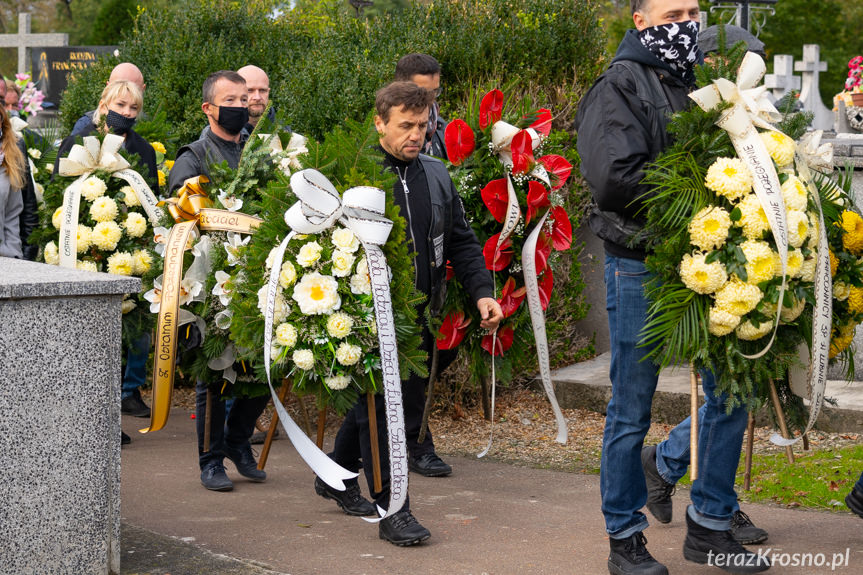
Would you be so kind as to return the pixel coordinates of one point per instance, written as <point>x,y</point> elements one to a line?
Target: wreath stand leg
<point>429,396</point>
<point>208,416</point>
<point>304,414</point>
<point>322,423</point>
<point>693,431</point>
<point>486,398</point>
<point>780,418</point>
<point>750,432</point>
<point>274,426</point>
<point>373,437</point>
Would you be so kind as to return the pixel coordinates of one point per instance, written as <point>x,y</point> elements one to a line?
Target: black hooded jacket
<point>621,123</point>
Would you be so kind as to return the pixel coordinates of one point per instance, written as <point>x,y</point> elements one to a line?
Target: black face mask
<point>118,123</point>
<point>233,119</point>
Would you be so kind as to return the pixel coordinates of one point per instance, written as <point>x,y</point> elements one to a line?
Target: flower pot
<point>857,100</point>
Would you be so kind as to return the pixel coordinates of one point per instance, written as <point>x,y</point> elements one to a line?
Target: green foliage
<point>115,18</point>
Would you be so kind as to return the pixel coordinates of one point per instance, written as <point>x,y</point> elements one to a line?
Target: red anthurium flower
<point>561,233</point>
<point>537,199</point>
<point>459,141</point>
<point>505,336</point>
<point>546,283</point>
<point>453,330</point>
<point>543,250</point>
<point>559,167</point>
<point>490,108</point>
<point>450,272</point>
<point>496,198</point>
<point>511,298</point>
<point>542,124</point>
<point>522,152</point>
<point>497,259</point>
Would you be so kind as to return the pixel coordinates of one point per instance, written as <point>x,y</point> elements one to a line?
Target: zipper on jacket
<point>404,180</point>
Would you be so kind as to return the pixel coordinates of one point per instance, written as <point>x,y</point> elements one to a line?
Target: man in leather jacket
<point>621,123</point>
<point>437,232</point>
<point>424,71</point>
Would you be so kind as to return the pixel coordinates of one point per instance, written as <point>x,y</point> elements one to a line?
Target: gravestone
<point>24,40</point>
<point>60,419</point>
<point>53,68</point>
<point>782,80</point>
<point>810,96</point>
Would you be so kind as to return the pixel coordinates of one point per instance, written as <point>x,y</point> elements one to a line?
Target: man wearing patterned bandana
<point>621,123</point>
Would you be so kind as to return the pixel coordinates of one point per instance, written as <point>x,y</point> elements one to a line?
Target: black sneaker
<point>659,491</point>
<point>630,557</point>
<point>244,460</point>
<point>124,439</point>
<point>720,549</point>
<point>350,500</point>
<point>402,529</point>
<point>744,531</point>
<point>214,478</point>
<point>854,501</point>
<point>429,465</point>
<point>259,437</point>
<point>134,405</point>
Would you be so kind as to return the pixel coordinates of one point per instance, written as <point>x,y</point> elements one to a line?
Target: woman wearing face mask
<point>118,109</point>
<point>11,180</point>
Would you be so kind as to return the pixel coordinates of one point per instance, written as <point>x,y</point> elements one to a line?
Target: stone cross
<point>782,80</point>
<point>23,40</point>
<point>811,66</point>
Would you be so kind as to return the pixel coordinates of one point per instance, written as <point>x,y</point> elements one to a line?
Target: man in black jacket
<point>424,71</point>
<point>437,232</point>
<point>621,123</point>
<point>225,105</point>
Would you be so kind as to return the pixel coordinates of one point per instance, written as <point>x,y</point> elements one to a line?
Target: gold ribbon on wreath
<point>191,210</point>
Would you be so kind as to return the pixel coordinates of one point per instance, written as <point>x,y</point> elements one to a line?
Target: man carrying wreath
<point>438,231</point>
<point>621,124</point>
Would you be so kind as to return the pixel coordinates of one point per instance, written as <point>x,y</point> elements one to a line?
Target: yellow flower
<point>142,262</point>
<point>855,300</point>
<point>747,330</point>
<point>814,231</point>
<point>753,220</point>
<point>288,275</point>
<point>841,291</point>
<point>339,325</point>
<point>105,235</point>
<point>130,198</point>
<point>795,194</point>
<point>317,294</point>
<point>286,335</point>
<point>135,224</point>
<point>56,219</point>
<point>702,277</point>
<point>51,254</point>
<point>842,338</point>
<point>760,265</point>
<point>852,239</point>
<point>347,354</point>
<point>309,253</point>
<point>798,227</point>
<point>169,164</point>
<point>162,178</point>
<point>780,147</point>
<point>92,188</point>
<point>304,359</point>
<point>729,177</point>
<point>342,263</point>
<point>722,322</point>
<point>159,147</point>
<point>708,229</point>
<point>120,264</point>
<point>127,305</point>
<point>86,265</point>
<point>738,298</point>
<point>104,209</point>
<point>345,240</point>
<point>795,264</point>
<point>808,269</point>
<point>789,314</point>
<point>85,239</point>
<point>834,264</point>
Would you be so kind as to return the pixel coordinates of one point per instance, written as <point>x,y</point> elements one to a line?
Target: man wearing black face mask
<point>226,107</point>
<point>621,123</point>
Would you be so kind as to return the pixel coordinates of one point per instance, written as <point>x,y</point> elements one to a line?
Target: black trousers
<point>234,432</point>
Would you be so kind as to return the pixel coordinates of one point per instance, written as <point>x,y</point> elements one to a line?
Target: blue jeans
<point>135,374</point>
<point>633,382</point>
<point>859,485</point>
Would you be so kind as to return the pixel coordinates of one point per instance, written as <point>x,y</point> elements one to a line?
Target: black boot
<point>402,529</point>
<point>214,478</point>
<point>429,465</point>
<point>746,532</point>
<point>134,405</point>
<point>350,500</point>
<point>854,501</point>
<point>659,491</point>
<point>630,557</point>
<point>245,462</point>
<point>720,549</point>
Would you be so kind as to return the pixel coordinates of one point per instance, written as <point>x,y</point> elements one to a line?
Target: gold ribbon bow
<point>189,201</point>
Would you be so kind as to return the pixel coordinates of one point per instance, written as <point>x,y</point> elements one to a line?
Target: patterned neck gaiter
<point>676,44</point>
<point>434,114</point>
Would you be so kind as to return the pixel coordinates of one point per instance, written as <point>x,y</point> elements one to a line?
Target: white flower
<point>130,198</point>
<point>189,290</point>
<point>337,382</point>
<point>154,296</point>
<point>339,325</point>
<point>86,265</point>
<point>807,270</point>
<point>135,224</point>
<point>286,335</point>
<point>309,253</point>
<point>361,284</point>
<point>271,257</point>
<point>798,227</point>
<point>233,245</point>
<point>92,188</point>
<point>841,291</point>
<point>363,266</point>
<point>121,264</point>
<point>105,235</point>
<point>317,294</point>
<point>127,305</point>
<point>345,240</point>
<point>57,218</point>
<point>795,194</point>
<point>104,209</point>
<point>49,168</point>
<point>348,354</point>
<point>51,254</point>
<point>142,262</point>
<point>304,359</point>
<point>288,275</point>
<point>285,166</point>
<point>34,153</point>
<point>747,330</point>
<point>231,203</point>
<point>342,263</point>
<point>160,237</point>
<point>221,289</point>
<point>814,230</point>
<point>789,314</point>
<point>280,309</point>
<point>85,238</point>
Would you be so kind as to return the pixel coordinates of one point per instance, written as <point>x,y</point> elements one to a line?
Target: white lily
<point>233,245</point>
<point>154,296</point>
<point>221,288</point>
<point>231,203</point>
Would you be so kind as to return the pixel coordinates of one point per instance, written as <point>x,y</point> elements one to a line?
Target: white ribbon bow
<point>814,154</point>
<point>502,134</point>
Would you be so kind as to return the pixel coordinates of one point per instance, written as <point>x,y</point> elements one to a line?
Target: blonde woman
<point>11,181</point>
<point>119,106</point>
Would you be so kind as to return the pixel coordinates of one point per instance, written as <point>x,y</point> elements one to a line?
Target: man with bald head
<point>123,71</point>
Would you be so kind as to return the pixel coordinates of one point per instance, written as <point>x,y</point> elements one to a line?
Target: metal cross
<point>743,9</point>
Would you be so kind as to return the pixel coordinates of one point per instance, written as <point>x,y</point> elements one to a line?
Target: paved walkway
<point>487,518</point>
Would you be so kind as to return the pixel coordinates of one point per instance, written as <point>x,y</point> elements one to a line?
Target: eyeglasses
<point>437,91</point>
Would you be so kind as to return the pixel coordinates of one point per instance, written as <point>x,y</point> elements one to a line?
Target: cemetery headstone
<point>53,68</point>
<point>810,96</point>
<point>782,80</point>
<point>24,40</point>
